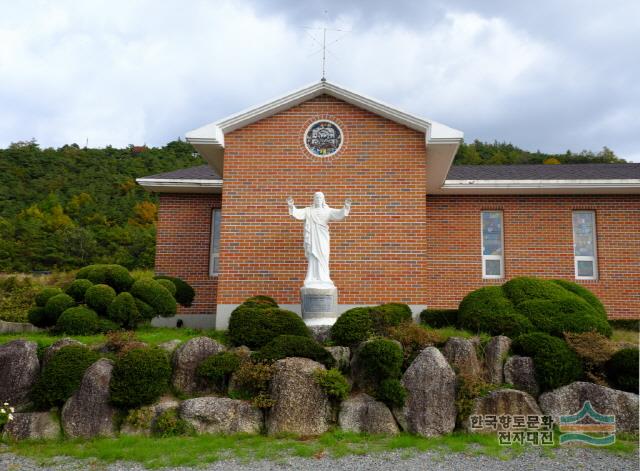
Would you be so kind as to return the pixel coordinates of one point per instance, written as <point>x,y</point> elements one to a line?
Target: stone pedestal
<point>319,305</point>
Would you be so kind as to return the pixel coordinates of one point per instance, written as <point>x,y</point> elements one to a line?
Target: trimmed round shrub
<point>61,376</point>
<point>140,376</point>
<point>184,291</point>
<point>333,383</point>
<point>555,363</point>
<point>585,294</point>
<point>525,288</point>
<point>439,318</point>
<point>389,315</point>
<point>43,296</point>
<point>99,297</point>
<point>256,327</point>
<point>105,326</point>
<point>391,392</point>
<point>123,311</point>
<point>260,301</point>
<point>78,321</point>
<point>622,370</point>
<point>381,359</point>
<point>285,346</point>
<point>488,310</point>
<point>568,314</point>
<point>78,288</point>
<point>116,276</point>
<point>352,327</point>
<point>156,296</point>
<point>56,305</point>
<point>168,285</point>
<point>217,368</point>
<point>38,317</point>
<point>146,312</point>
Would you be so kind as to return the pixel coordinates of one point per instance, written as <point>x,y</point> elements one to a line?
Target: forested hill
<point>63,208</point>
<point>502,153</point>
<point>67,207</point>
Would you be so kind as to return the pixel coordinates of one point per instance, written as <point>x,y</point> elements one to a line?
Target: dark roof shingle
<point>201,172</point>
<point>545,172</point>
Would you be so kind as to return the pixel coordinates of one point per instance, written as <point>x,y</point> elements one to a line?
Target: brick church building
<point>420,231</point>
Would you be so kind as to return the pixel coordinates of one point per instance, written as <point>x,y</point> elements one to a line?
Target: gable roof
<point>462,179</point>
<point>442,141</point>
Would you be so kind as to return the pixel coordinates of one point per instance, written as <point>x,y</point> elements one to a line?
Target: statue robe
<point>317,242</point>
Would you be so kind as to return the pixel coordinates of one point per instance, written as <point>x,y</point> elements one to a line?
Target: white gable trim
<point>209,139</point>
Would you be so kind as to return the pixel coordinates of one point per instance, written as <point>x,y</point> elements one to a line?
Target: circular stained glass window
<point>323,138</point>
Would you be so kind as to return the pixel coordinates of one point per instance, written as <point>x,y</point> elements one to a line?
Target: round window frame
<point>325,156</point>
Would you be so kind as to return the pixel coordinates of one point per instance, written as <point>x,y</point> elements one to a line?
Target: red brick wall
<point>377,254</point>
<point>538,241</point>
<point>182,245</point>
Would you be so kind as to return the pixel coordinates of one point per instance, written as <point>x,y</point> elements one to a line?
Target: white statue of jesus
<point>316,237</point>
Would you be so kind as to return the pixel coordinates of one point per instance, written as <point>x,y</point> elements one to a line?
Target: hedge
<point>285,346</point>
<point>169,285</point>
<point>381,359</point>
<point>116,276</point>
<point>184,291</point>
<point>439,318</point>
<point>260,301</point>
<point>78,288</point>
<point>389,315</point>
<point>488,310</point>
<point>56,305</point>
<point>217,368</point>
<point>140,376</point>
<point>78,321</point>
<point>255,327</point>
<point>568,314</point>
<point>622,370</point>
<point>156,296</point>
<point>525,288</point>
<point>123,311</point>
<point>352,327</point>
<point>43,296</point>
<point>61,376</point>
<point>585,294</point>
<point>555,363</point>
<point>99,297</point>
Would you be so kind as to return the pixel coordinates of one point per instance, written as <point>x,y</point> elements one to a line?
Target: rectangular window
<point>584,245</point>
<point>214,255</point>
<point>492,245</point>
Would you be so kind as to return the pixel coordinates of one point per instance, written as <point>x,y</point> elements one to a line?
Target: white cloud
<point>121,72</point>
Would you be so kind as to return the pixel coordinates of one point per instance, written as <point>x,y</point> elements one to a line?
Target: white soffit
<point>180,185</point>
<point>442,140</point>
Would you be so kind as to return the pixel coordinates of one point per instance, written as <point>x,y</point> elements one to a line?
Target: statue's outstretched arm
<point>340,214</point>
<point>294,212</point>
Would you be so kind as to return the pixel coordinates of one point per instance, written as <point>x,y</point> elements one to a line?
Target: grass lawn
<point>203,449</point>
<point>148,334</point>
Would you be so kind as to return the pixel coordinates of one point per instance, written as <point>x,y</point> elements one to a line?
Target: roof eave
<point>524,187</point>
<point>171,185</point>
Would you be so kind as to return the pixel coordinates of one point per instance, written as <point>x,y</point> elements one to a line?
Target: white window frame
<point>214,257</point>
<point>492,257</point>
<point>584,258</point>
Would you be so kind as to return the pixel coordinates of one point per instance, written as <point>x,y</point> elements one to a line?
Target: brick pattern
<point>182,245</point>
<point>378,252</point>
<point>538,241</point>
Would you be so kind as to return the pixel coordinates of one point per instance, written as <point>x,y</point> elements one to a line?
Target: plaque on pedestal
<point>319,305</point>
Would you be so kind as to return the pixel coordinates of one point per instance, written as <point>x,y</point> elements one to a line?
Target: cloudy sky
<point>549,75</point>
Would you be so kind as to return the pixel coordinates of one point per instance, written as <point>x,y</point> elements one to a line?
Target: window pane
<point>585,268</point>
<point>215,242</point>
<point>492,267</point>
<point>583,229</point>
<point>492,233</point>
